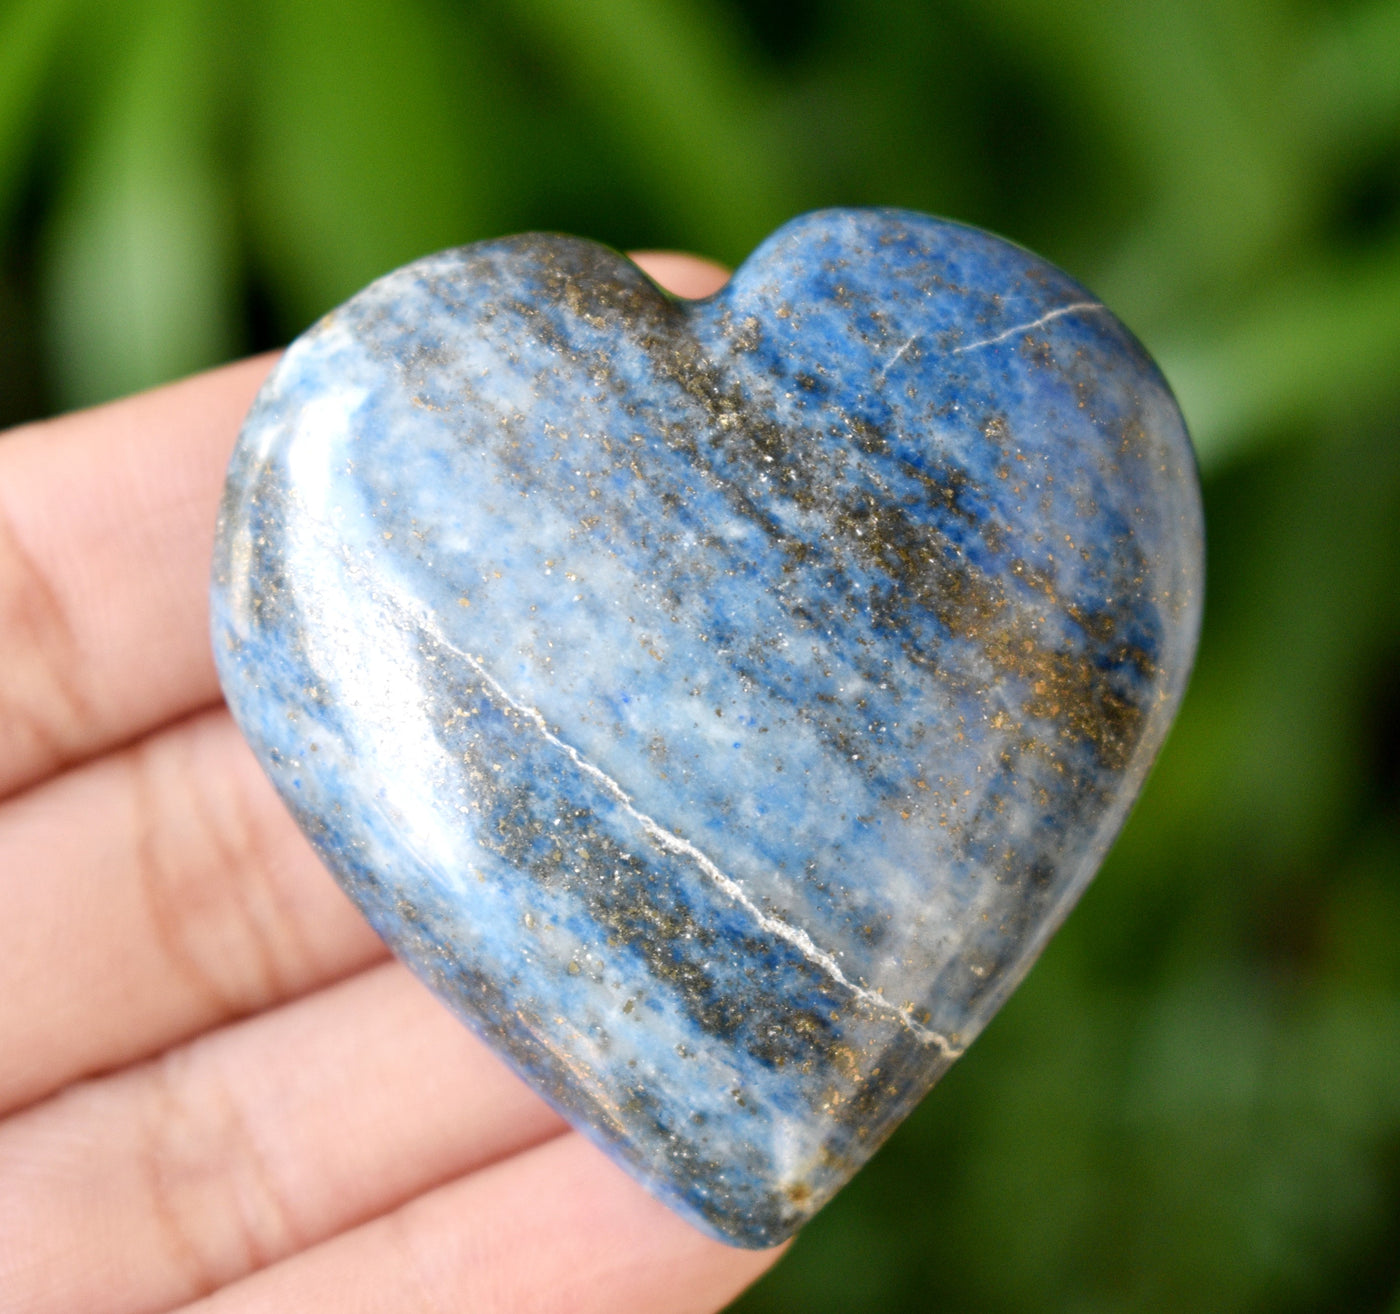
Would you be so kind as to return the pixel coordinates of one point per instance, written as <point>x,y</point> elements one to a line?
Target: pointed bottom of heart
<point>746,1140</point>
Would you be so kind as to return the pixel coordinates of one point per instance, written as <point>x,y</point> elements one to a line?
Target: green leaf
<point>141,254</point>
<point>1348,90</point>
<point>676,87</point>
<point>1191,91</point>
<point>1322,337</point>
<point>364,153</point>
<point>30,31</point>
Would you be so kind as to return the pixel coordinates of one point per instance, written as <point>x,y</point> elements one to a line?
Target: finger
<point>152,894</point>
<point>556,1228</point>
<point>150,1188</point>
<point>685,275</point>
<point>106,527</point>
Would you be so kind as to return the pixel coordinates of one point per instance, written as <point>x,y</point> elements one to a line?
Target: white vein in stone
<point>793,935</point>
<point>1026,327</point>
<point>893,360</point>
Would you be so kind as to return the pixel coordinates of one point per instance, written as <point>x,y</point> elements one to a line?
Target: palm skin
<point>216,1090</point>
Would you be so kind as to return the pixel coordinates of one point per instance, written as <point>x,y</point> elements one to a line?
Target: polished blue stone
<point>717,703</point>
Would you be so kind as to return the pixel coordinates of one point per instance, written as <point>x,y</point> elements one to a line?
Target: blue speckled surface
<point>718,704</point>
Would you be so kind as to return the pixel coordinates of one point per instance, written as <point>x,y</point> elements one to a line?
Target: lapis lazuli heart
<point>718,704</point>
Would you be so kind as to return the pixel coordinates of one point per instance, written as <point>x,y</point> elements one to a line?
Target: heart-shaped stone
<point>719,703</point>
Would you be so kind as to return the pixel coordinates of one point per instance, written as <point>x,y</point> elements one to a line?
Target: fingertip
<point>681,274</point>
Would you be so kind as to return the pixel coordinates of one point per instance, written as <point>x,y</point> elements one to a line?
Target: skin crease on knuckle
<point>42,703</point>
<point>106,519</point>
<point>253,1142</point>
<point>183,898</point>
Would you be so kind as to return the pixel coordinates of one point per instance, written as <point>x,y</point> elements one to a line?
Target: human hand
<point>212,1081</point>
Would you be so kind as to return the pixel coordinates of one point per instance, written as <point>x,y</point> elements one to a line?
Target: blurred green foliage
<point>1194,1102</point>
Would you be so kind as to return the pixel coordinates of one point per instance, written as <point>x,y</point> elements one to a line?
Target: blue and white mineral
<point>717,703</point>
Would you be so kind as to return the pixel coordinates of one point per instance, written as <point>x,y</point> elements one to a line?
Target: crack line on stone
<point>893,360</point>
<point>1028,326</point>
<point>793,935</point>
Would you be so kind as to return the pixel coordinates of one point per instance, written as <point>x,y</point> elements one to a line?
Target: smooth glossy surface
<point>717,703</point>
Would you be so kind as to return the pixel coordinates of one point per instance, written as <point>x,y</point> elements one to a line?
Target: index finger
<point>106,527</point>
